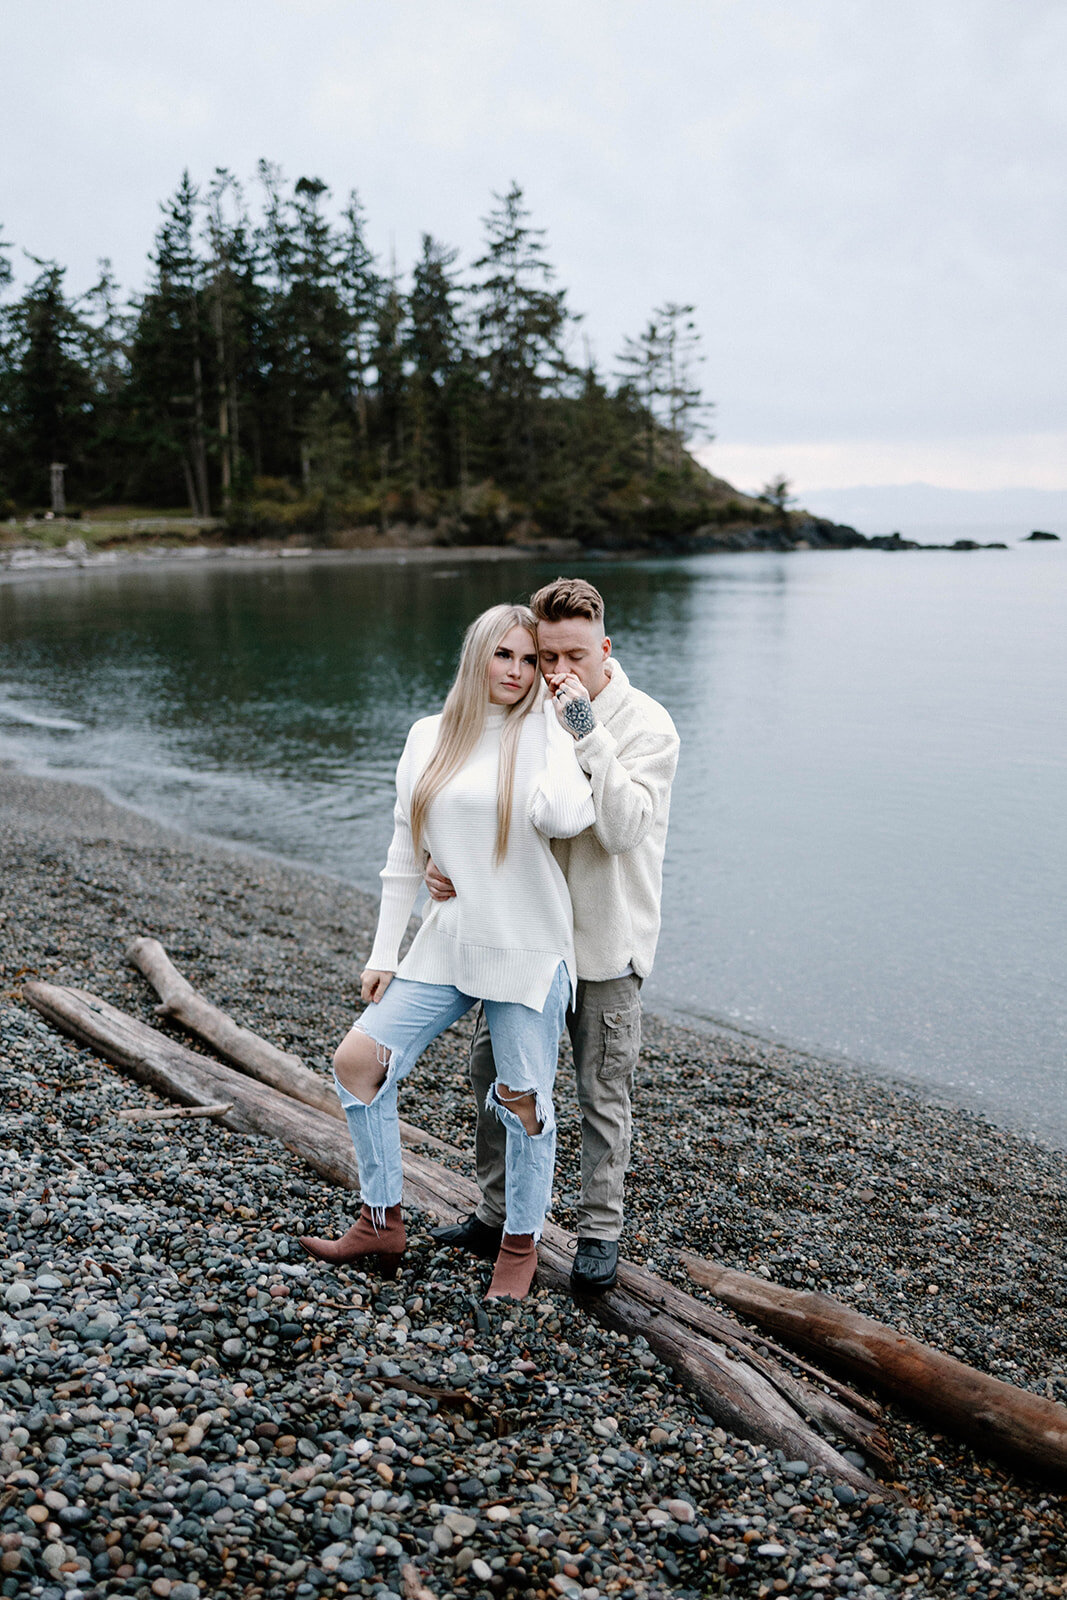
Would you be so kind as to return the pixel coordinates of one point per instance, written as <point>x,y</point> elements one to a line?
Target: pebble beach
<point>189,1406</point>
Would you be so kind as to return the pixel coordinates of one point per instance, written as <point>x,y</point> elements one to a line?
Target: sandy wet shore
<point>190,1407</point>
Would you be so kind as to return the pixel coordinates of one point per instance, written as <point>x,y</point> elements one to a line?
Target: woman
<point>481,787</point>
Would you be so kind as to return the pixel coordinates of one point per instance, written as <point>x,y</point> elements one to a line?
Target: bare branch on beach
<point>172,1114</point>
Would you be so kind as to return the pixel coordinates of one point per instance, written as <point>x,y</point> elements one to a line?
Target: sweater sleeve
<point>401,876</point>
<point>631,784</point>
<point>561,804</point>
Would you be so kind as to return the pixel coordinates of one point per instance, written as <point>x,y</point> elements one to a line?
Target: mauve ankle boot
<point>364,1240</point>
<point>515,1267</point>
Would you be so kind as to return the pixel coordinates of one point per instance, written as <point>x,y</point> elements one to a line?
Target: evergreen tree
<point>235,308</point>
<point>442,378</point>
<point>642,364</point>
<point>316,314</point>
<point>683,399</point>
<point>388,359</point>
<point>49,395</point>
<point>307,353</point>
<point>777,494</point>
<point>272,348</point>
<point>659,370</point>
<point>108,332</point>
<point>7,432</point>
<point>168,382</point>
<point>522,325</point>
<point>360,289</point>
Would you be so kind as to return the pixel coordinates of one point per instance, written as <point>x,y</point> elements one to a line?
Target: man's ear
<point>606,647</point>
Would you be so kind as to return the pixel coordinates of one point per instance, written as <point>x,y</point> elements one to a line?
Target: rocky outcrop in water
<point>802,532</point>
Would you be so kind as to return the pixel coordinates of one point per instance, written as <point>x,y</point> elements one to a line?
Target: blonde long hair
<point>463,721</point>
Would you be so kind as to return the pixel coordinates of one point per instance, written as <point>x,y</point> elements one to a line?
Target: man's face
<point>574,645</point>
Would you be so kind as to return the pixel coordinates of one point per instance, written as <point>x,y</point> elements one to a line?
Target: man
<point>627,744</point>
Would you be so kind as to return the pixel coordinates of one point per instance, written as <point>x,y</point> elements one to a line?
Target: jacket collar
<point>614,691</point>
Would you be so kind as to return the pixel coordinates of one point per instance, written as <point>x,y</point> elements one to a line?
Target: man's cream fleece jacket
<point>614,870</point>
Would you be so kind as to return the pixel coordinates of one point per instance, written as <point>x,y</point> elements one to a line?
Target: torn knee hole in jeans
<point>385,1059</point>
<point>503,1099</point>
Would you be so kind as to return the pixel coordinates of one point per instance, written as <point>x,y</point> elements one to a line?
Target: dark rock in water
<point>805,533</point>
<point>891,541</point>
<point>1039,533</point>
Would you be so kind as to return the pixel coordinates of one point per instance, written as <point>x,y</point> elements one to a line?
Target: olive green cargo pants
<point>605,1033</point>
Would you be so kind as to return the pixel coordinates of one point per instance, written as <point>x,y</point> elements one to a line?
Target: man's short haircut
<point>565,598</point>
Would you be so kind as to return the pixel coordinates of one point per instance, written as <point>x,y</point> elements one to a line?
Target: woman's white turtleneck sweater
<point>510,924</point>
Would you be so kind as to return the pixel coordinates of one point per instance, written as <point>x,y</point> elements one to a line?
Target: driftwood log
<point>729,1390</point>
<point>842,1412</point>
<point>256,1056</point>
<point>845,1414</point>
<point>996,1416</point>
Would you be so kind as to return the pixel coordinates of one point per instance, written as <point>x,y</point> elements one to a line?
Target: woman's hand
<point>440,887</point>
<point>574,709</point>
<point>373,985</point>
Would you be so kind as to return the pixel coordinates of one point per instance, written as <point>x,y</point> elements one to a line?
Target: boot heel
<point>366,1242</point>
<point>389,1265</point>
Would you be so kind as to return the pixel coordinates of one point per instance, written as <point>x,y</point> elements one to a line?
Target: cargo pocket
<point>622,1042</point>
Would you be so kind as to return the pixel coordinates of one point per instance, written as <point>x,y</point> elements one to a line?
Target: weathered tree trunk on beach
<point>256,1056</point>
<point>844,1413</point>
<point>172,1069</point>
<point>247,1050</point>
<point>996,1416</point>
<point>737,1396</point>
<point>689,1337</point>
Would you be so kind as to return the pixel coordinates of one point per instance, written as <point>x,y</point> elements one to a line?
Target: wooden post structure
<point>59,499</point>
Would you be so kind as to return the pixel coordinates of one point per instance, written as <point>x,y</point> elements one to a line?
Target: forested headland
<point>276,375</point>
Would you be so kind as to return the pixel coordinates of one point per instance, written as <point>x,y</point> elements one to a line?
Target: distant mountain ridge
<point>884,508</point>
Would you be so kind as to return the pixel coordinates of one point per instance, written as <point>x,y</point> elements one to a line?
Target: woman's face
<point>513,668</point>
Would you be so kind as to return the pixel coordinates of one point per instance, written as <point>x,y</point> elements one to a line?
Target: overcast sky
<point>866,202</point>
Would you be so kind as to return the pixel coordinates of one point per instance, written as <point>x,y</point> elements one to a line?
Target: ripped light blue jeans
<point>409,1017</point>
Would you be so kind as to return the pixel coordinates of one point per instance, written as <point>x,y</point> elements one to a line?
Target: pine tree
<point>307,349</point>
<point>389,369</point>
<point>682,395</point>
<point>168,382</point>
<point>642,363</point>
<point>8,435</point>
<point>275,348</point>
<point>235,307</point>
<point>108,327</point>
<point>522,325</point>
<point>49,396</point>
<point>659,370</point>
<point>360,289</point>
<point>442,378</point>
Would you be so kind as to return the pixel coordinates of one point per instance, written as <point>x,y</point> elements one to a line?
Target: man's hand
<point>574,709</point>
<point>373,985</point>
<point>440,887</point>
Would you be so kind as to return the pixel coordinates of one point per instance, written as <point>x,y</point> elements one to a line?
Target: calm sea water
<point>868,851</point>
